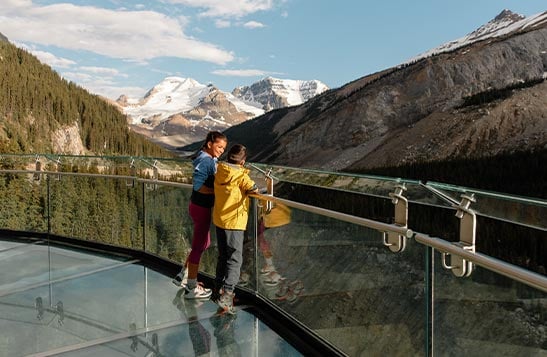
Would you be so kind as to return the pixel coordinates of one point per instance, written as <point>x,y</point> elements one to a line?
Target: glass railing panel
<point>174,170</point>
<point>378,186</point>
<point>99,209</point>
<point>519,210</point>
<point>178,170</point>
<point>486,314</point>
<point>166,169</point>
<point>23,202</point>
<point>18,162</point>
<point>249,273</point>
<point>169,227</point>
<point>342,282</point>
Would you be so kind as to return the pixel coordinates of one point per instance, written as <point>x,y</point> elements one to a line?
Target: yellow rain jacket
<point>232,186</point>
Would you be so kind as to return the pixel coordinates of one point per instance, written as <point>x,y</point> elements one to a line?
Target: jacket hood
<point>227,172</point>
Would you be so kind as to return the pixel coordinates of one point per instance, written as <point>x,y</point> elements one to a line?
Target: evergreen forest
<point>35,101</point>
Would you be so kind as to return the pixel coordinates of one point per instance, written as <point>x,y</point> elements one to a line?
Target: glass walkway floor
<point>66,301</point>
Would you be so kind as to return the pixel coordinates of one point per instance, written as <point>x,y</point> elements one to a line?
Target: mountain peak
<point>504,24</point>
<point>501,23</point>
<point>274,93</point>
<point>507,14</point>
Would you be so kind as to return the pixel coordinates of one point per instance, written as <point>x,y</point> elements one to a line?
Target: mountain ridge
<point>387,119</point>
<point>181,110</point>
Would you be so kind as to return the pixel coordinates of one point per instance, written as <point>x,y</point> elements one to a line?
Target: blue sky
<point>114,47</point>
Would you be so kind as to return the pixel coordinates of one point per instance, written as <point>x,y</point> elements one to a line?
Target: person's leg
<point>234,255</point>
<point>201,239</point>
<point>220,271</point>
<point>266,250</point>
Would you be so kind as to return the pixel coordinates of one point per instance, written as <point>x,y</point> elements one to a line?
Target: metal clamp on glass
<point>395,241</point>
<point>37,175</point>
<point>132,172</point>
<point>155,176</point>
<point>269,190</point>
<point>468,223</point>
<point>58,168</point>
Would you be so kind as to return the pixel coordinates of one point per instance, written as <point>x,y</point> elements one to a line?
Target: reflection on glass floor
<point>61,301</point>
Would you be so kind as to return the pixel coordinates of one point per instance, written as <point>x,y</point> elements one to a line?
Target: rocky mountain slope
<point>178,110</point>
<point>478,98</point>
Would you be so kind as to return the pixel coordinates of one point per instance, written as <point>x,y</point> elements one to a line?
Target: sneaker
<point>181,279</point>
<point>273,279</point>
<point>199,292</point>
<point>215,296</point>
<point>244,279</point>
<point>266,269</point>
<point>188,308</point>
<point>217,291</point>
<point>226,302</point>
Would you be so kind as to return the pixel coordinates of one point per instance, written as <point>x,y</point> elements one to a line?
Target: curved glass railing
<point>351,264</point>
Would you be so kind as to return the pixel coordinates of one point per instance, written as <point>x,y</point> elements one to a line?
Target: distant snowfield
<point>176,95</point>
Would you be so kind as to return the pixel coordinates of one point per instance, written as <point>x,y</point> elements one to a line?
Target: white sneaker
<point>181,279</point>
<point>273,278</point>
<point>199,292</point>
<point>267,269</point>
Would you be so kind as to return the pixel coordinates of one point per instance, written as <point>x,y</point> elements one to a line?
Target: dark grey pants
<point>230,258</point>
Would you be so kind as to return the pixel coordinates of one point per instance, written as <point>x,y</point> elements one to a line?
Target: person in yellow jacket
<point>230,214</point>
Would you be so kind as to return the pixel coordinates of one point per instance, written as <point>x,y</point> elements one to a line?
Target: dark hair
<point>237,154</point>
<point>212,137</point>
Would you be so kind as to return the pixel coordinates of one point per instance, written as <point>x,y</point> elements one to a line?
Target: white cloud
<point>103,86</point>
<point>51,60</point>
<point>137,35</point>
<point>243,72</point>
<point>77,76</point>
<point>253,25</point>
<point>227,8</point>
<point>101,70</point>
<point>222,24</point>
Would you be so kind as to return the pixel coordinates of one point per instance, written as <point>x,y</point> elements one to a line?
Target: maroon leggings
<point>201,239</point>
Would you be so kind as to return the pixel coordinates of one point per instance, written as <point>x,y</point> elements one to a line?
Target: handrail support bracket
<point>395,241</point>
<point>468,224</point>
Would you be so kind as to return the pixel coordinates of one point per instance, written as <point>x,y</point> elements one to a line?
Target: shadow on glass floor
<point>65,301</point>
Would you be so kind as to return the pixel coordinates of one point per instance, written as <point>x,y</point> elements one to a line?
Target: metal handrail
<point>498,266</point>
<point>503,268</point>
<point>379,226</point>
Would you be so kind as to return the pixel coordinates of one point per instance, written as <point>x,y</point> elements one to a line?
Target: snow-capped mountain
<point>179,110</point>
<point>506,22</point>
<point>175,95</point>
<point>275,93</point>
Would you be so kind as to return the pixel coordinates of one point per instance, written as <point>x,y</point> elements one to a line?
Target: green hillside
<point>35,101</point>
